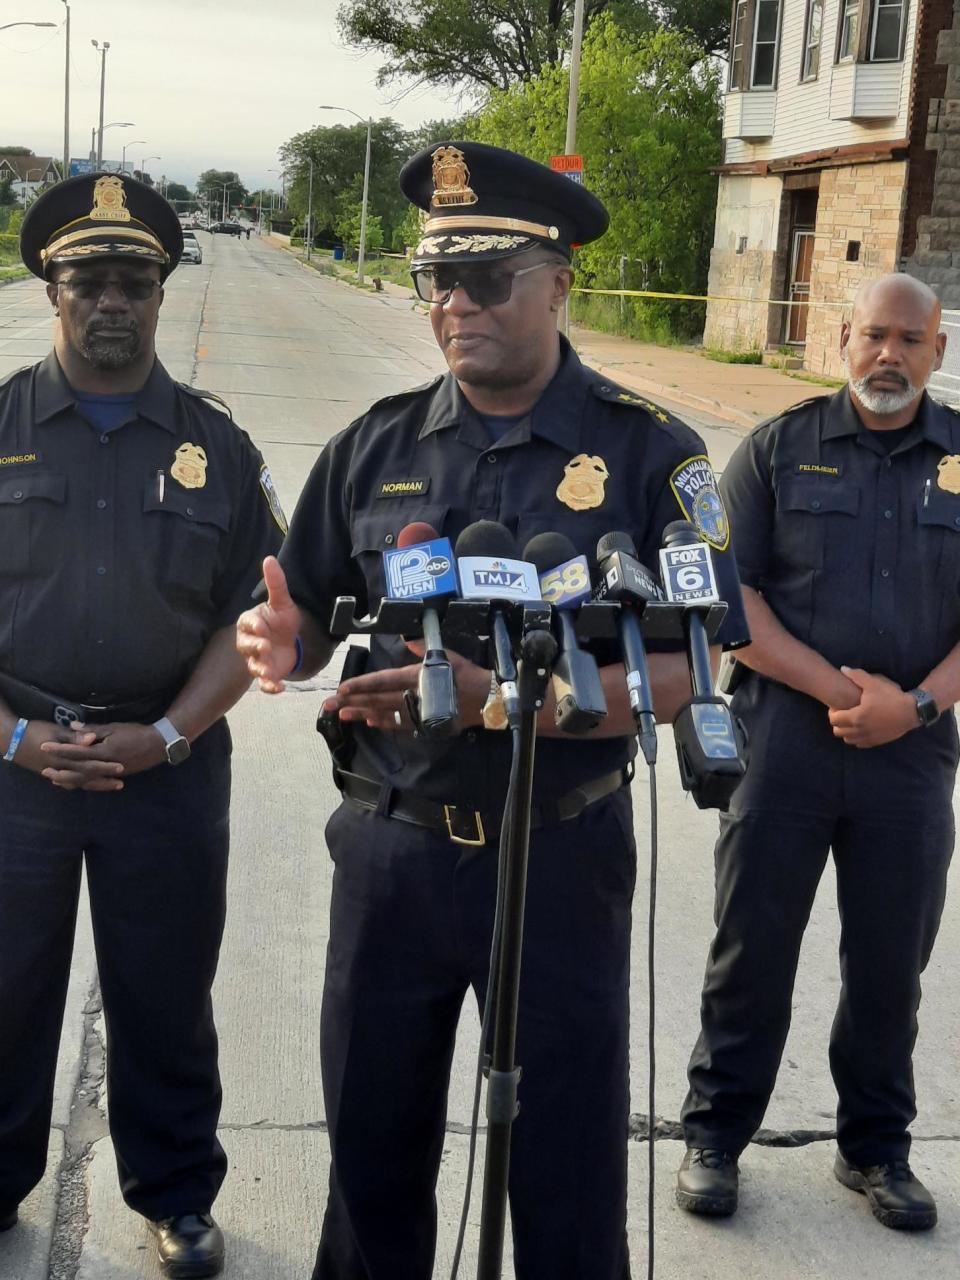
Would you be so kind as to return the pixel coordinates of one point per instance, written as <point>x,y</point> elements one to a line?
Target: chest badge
<point>190,466</point>
<point>582,486</point>
<point>948,473</point>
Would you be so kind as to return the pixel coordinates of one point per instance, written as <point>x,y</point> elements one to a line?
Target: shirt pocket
<point>808,513</point>
<point>938,516</point>
<point>374,532</point>
<point>184,534</point>
<point>31,522</point>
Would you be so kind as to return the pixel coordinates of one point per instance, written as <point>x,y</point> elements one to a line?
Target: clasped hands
<point>89,757</point>
<point>883,713</point>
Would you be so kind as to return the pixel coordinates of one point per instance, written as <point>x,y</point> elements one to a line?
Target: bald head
<point>891,345</point>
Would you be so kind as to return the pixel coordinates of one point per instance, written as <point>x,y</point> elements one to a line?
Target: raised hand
<point>266,634</point>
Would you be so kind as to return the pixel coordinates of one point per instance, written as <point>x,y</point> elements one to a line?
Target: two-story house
<point>841,161</point>
<point>30,173</point>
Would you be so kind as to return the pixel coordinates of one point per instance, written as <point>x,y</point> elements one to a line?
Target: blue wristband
<point>16,738</point>
<point>299,662</point>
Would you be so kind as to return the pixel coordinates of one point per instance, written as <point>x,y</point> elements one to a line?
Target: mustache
<point>890,376</point>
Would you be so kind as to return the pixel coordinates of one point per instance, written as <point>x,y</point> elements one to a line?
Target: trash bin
<point>338,253</point>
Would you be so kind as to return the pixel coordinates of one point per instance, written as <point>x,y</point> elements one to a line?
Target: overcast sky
<point>208,83</point>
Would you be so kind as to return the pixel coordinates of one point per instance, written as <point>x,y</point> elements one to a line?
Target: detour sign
<point>571,166</point>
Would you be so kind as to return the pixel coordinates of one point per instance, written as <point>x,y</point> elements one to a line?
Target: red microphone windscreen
<point>416,532</point>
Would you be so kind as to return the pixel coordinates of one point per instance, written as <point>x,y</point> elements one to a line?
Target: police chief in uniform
<point>846,513</point>
<point>133,518</point>
<point>517,431</point>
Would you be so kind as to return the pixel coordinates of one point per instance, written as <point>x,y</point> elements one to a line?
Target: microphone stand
<point>538,649</point>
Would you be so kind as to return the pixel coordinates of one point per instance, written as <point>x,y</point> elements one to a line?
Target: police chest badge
<point>273,500</point>
<point>190,466</point>
<point>948,473</point>
<point>695,488</point>
<point>582,486</point>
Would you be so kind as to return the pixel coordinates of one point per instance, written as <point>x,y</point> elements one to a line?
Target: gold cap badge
<point>582,486</point>
<point>451,178</point>
<point>190,466</point>
<point>109,201</point>
<point>948,473</point>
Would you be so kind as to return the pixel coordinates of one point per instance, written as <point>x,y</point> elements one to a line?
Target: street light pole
<point>103,80</point>
<point>366,183</point>
<point>143,166</point>
<point>569,146</point>
<point>310,209</point>
<point>7,25</point>
<point>137,142</point>
<point>66,98</point>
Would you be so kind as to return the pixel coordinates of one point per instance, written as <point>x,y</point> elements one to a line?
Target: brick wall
<point>929,85</point>
<point>862,203</point>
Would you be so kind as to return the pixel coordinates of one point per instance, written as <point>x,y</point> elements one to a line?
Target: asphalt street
<point>297,356</point>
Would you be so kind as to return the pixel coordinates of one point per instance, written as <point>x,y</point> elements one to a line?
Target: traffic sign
<point>570,166</point>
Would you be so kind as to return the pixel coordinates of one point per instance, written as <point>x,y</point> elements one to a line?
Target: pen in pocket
<point>926,493</point>
<point>161,478</point>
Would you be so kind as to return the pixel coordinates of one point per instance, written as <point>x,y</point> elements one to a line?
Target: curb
<point>735,417</point>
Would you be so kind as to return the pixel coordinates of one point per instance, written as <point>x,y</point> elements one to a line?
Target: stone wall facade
<point>859,205</point>
<point>744,262</point>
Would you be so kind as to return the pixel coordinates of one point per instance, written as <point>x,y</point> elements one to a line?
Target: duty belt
<point>37,704</point>
<point>471,826</point>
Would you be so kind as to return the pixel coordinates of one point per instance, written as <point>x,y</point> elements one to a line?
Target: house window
<point>766,37</point>
<point>814,38</point>
<point>737,44</point>
<point>849,29</point>
<point>886,37</point>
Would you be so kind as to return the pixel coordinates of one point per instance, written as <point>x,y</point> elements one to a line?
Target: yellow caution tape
<point>708,297</point>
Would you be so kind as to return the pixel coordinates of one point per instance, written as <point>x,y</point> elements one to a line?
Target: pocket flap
<point>378,530</point>
<point>818,498</point>
<point>192,505</point>
<point>37,484</point>
<point>937,507</point>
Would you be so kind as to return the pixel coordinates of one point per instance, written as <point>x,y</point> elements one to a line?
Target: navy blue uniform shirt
<point>426,455</point>
<point>121,552</point>
<point>855,548</point>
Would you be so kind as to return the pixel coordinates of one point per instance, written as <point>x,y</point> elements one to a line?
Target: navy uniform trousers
<point>156,863</point>
<point>887,814</point>
<point>411,919</point>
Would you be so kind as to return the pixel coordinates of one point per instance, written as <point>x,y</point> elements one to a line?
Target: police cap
<point>484,202</point>
<point>100,215</point>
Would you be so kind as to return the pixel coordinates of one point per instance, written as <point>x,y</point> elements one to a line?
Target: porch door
<point>800,269</point>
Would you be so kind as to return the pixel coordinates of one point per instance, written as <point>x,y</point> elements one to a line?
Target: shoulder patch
<point>405,395</point>
<point>619,395</point>
<point>273,498</point>
<point>211,396</point>
<point>695,488</point>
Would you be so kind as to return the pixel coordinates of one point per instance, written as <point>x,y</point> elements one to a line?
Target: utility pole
<point>570,145</point>
<point>363,207</point>
<point>309,236</point>
<point>103,79</point>
<point>66,100</point>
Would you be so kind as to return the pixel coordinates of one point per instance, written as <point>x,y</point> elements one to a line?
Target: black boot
<point>897,1198</point>
<point>707,1182</point>
<point>189,1246</point>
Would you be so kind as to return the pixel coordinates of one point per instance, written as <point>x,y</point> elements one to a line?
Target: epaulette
<point>613,394</point>
<point>802,404</point>
<point>8,377</point>
<point>408,394</point>
<point>207,395</point>
<point>954,408</point>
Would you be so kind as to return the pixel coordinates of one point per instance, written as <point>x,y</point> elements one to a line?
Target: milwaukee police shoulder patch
<point>695,488</point>
<point>273,499</point>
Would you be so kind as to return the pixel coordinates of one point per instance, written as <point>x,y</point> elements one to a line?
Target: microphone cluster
<point>539,607</point>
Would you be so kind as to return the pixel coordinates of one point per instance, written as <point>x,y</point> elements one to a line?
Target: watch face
<point>927,709</point>
<point>178,751</point>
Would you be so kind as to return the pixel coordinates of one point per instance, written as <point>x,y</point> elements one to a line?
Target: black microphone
<point>624,579</point>
<point>436,706</point>
<point>565,583</point>
<point>709,742</point>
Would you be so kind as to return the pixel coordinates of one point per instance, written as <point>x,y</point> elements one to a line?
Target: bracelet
<point>16,738</point>
<point>298,644</point>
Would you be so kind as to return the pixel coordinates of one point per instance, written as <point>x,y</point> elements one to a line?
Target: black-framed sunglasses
<point>485,288</point>
<point>136,288</point>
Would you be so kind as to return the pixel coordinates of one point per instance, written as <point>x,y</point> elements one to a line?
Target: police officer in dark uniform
<point>847,520</point>
<point>134,515</point>
<point>517,431</point>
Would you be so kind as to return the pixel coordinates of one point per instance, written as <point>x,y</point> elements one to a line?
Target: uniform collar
<point>842,419</point>
<point>156,400</point>
<point>555,417</point>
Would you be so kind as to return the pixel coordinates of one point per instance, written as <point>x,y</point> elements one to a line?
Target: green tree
<point>7,194</point>
<point>481,45</point>
<point>177,193</point>
<point>15,151</point>
<point>346,226</point>
<point>649,132</point>
<point>210,185</point>
<point>338,158</point>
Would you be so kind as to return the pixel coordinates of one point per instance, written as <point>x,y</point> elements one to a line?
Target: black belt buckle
<point>455,818</point>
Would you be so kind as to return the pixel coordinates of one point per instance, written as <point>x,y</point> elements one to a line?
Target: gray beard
<point>109,353</point>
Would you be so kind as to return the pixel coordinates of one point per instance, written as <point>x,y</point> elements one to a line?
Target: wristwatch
<point>494,713</point>
<point>928,712</point>
<point>175,744</point>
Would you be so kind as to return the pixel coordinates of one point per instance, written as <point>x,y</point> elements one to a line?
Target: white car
<point>191,248</point>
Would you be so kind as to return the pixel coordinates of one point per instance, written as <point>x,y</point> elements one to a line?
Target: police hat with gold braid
<point>484,203</point>
<point>100,215</point>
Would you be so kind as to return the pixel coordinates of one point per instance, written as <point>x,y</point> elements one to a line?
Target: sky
<point>208,84</point>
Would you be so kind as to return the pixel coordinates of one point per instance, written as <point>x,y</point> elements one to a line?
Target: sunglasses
<point>483,287</point>
<point>136,288</point>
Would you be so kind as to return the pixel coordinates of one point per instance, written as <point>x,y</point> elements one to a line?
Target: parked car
<point>191,248</point>
<point>226,228</point>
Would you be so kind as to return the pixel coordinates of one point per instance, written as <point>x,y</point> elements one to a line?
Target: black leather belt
<point>471,826</point>
<point>37,704</point>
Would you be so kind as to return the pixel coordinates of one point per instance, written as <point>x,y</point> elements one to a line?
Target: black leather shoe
<point>707,1182</point>
<point>897,1198</point>
<point>8,1220</point>
<point>189,1246</point>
